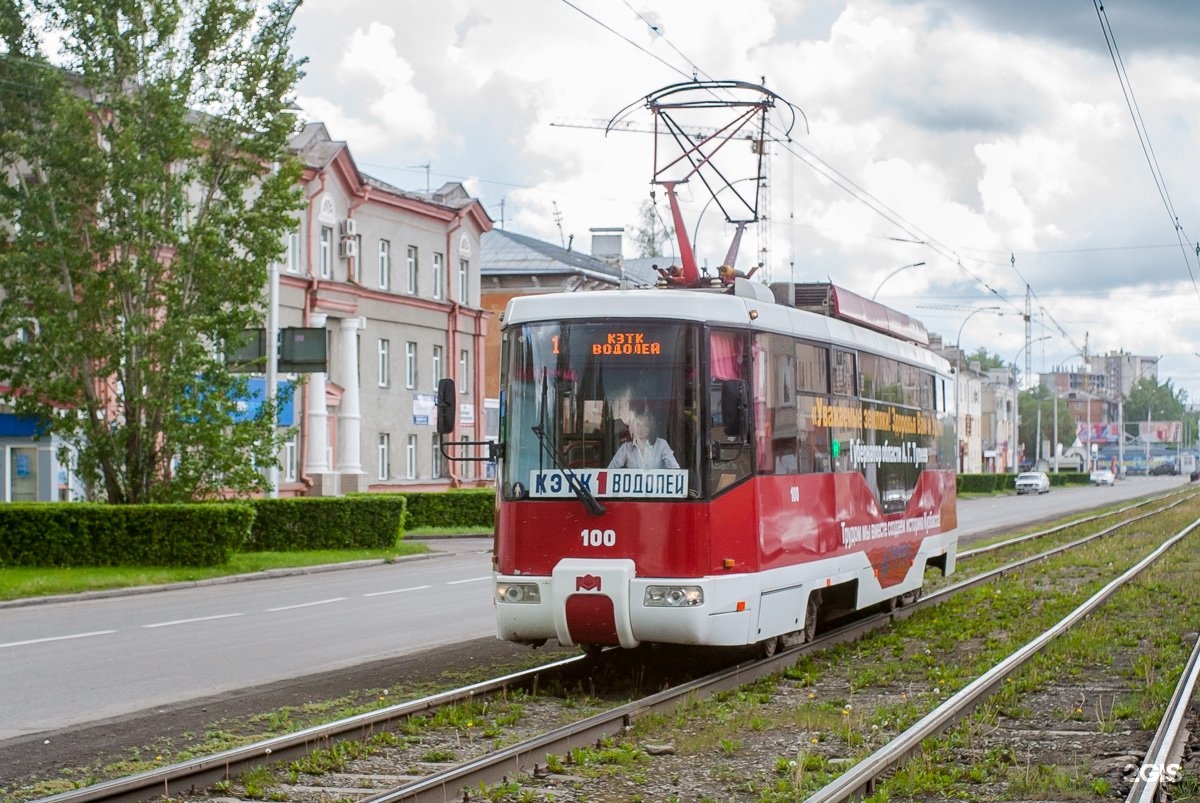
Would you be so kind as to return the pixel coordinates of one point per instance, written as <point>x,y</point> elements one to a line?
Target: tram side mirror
<point>735,405</point>
<point>445,406</point>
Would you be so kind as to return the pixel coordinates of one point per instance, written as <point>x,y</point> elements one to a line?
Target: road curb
<point>266,574</point>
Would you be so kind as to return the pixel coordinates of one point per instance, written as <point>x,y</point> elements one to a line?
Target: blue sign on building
<point>256,388</point>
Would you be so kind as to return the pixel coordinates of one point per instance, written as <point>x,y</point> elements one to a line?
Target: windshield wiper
<point>577,486</point>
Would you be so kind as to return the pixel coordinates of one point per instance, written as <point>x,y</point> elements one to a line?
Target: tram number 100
<point>598,537</point>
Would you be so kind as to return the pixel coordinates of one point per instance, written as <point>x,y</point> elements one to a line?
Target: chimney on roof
<point>608,243</point>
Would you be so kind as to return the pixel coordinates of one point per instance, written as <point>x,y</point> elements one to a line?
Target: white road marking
<point>470,580</point>
<point>305,605</point>
<point>395,591</point>
<point>57,638</point>
<point>189,621</point>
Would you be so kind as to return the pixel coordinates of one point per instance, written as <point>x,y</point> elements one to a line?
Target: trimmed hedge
<point>468,507</point>
<point>362,521</point>
<point>54,534</point>
<point>991,483</point>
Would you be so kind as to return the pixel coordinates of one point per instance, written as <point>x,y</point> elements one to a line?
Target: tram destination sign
<point>654,483</point>
<point>629,343</point>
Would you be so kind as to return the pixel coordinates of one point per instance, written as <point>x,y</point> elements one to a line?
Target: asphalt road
<point>89,659</point>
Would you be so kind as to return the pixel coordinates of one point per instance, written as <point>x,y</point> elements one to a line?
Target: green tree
<point>1149,400</point>
<point>1036,409</point>
<point>986,362</point>
<point>651,234</point>
<point>149,188</point>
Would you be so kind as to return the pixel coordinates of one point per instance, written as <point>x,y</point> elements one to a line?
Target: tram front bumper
<point>604,602</point>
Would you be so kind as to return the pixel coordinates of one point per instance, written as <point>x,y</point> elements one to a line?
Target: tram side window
<point>844,373</point>
<point>776,412</point>
<point>812,383</point>
<point>812,368</point>
<point>729,458</point>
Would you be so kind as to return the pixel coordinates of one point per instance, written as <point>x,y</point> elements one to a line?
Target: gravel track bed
<point>1066,727</point>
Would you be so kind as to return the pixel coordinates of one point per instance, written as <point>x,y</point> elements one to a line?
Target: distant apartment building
<point>391,277</point>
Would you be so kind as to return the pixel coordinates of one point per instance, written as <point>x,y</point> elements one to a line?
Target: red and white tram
<point>715,467</point>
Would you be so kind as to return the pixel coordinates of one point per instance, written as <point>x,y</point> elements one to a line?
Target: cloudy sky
<point>993,141</point>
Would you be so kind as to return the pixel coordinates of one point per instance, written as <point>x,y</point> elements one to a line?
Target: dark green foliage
<point>367,521</point>
<point>73,534</point>
<point>992,483</point>
<point>979,483</point>
<point>475,507</point>
<point>146,188</point>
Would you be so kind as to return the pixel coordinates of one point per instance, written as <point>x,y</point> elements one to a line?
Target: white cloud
<point>986,129</point>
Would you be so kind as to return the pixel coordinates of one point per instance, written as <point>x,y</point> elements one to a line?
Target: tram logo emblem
<point>588,582</point>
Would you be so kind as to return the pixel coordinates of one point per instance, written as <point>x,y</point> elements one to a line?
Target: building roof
<point>509,253</point>
<point>317,150</point>
<point>506,253</point>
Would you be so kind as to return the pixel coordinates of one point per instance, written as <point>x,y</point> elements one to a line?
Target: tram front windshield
<point>611,405</point>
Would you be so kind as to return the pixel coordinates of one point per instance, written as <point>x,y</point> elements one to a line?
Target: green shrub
<point>362,521</point>
<point>472,507</point>
<point>78,534</point>
<point>978,483</point>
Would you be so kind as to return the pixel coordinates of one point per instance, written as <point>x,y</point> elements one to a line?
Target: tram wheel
<point>768,647</point>
<point>810,616</point>
<point>592,650</point>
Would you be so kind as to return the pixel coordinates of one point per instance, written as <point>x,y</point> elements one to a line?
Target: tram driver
<point>644,449</point>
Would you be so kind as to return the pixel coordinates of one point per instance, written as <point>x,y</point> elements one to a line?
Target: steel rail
<point>1166,748</point>
<point>859,780</point>
<point>206,770</point>
<point>970,553</point>
<point>516,759</point>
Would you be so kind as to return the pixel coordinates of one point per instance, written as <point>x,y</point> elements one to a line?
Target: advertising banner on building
<point>1160,431</point>
<point>1099,433</point>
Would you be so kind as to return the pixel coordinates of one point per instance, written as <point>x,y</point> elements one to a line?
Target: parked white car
<point>1102,476</point>
<point>1033,482</point>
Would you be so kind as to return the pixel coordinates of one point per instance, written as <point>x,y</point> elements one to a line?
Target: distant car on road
<point>1163,468</point>
<point>1102,476</point>
<point>1033,482</point>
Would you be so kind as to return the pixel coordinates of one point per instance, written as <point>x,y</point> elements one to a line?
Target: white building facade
<point>392,279</point>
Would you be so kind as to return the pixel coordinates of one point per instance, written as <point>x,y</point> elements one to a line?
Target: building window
<point>464,371</point>
<point>437,365</point>
<point>410,364</point>
<point>468,470</point>
<point>462,282</point>
<point>385,450</point>
<point>293,252</point>
<point>385,376</point>
<point>435,462</point>
<point>290,462</point>
<point>410,460</point>
<point>439,276</point>
<point>326,252</point>
<point>385,265</point>
<point>412,270</point>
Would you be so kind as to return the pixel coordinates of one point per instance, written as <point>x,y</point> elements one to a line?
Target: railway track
<point>520,767</point>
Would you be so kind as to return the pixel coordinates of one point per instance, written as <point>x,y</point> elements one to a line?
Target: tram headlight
<point>518,592</point>
<point>673,596</point>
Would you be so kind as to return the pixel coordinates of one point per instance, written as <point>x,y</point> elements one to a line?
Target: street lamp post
<point>893,273</point>
<point>958,401</point>
<point>1016,418</point>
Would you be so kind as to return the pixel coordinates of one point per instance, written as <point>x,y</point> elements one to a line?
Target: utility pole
<point>558,222</point>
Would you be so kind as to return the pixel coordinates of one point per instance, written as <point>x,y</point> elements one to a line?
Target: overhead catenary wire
<point>838,179</point>
<point>1139,126</point>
